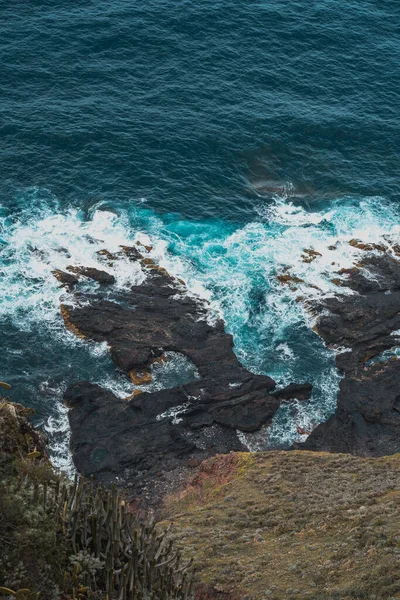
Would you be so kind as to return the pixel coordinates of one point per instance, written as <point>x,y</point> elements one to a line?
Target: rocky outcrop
<point>365,327</point>
<point>154,434</point>
<point>102,277</point>
<point>18,436</point>
<point>73,275</point>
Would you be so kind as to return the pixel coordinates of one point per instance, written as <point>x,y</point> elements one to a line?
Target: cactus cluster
<point>22,594</point>
<point>133,560</point>
<point>79,540</point>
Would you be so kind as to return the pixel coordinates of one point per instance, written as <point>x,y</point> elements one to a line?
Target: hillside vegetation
<point>75,541</point>
<point>292,525</point>
<point>279,525</point>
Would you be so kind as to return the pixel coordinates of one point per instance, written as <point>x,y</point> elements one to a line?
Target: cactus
<point>22,594</point>
<point>94,544</point>
<point>138,562</point>
<point>34,454</point>
<point>7,592</point>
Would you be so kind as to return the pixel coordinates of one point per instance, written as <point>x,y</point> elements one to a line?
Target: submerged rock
<point>300,391</point>
<point>160,432</point>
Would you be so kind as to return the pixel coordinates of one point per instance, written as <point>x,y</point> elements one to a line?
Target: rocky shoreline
<point>295,524</point>
<point>143,440</point>
<point>365,327</point>
<point>149,440</point>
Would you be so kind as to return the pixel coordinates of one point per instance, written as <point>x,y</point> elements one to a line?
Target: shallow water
<point>233,135</point>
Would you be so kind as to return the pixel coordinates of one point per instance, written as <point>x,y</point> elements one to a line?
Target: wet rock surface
<point>365,325</point>
<point>102,277</point>
<point>141,440</point>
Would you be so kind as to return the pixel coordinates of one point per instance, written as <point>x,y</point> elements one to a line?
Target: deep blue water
<point>234,134</point>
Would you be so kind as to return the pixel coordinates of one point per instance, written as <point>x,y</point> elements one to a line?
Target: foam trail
<point>56,427</point>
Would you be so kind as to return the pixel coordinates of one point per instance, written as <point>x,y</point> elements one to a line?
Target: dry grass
<point>298,525</point>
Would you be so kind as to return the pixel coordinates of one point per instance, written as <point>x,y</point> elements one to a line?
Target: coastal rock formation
<point>152,434</point>
<point>365,327</point>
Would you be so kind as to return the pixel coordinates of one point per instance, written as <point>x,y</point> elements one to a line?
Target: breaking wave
<point>252,274</point>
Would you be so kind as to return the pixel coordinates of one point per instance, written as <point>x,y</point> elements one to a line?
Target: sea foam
<point>235,267</point>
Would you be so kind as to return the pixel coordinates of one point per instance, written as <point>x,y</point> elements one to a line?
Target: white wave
<point>327,232</point>
<point>98,349</point>
<point>174,370</point>
<point>234,268</point>
<point>56,428</point>
<point>38,245</point>
<point>296,419</point>
<point>120,385</point>
<point>231,264</point>
<point>285,351</point>
<point>173,413</point>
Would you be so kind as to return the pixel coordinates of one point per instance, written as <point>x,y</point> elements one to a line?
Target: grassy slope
<point>293,525</point>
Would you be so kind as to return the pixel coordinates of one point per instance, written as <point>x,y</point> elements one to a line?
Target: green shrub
<point>75,540</point>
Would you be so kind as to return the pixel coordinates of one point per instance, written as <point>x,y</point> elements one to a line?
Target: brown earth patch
<point>68,324</point>
<point>309,255</point>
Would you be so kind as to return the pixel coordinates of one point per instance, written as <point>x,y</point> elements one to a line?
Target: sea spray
<point>236,267</point>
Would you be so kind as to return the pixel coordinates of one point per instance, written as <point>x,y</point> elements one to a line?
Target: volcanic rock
<point>149,433</point>
<point>66,279</point>
<point>98,275</point>
<point>300,391</point>
<point>364,325</point>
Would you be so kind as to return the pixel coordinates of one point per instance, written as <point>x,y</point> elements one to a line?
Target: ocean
<point>229,135</point>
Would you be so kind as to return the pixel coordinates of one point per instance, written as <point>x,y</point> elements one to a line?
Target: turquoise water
<point>232,135</point>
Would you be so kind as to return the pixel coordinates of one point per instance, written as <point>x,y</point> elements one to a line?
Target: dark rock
<point>128,358</point>
<point>163,430</point>
<point>365,324</point>
<point>367,419</point>
<point>298,391</point>
<point>154,317</point>
<point>66,279</point>
<point>107,256</point>
<point>98,275</point>
<point>132,253</point>
<point>115,439</point>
